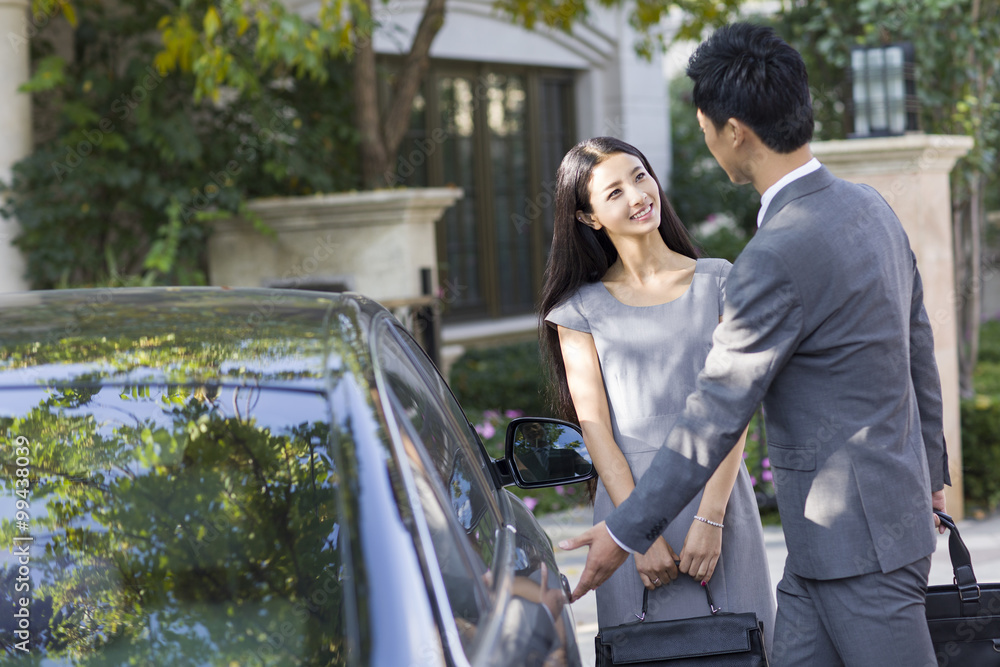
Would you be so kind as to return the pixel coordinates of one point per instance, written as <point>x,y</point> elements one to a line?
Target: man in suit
<point>824,322</point>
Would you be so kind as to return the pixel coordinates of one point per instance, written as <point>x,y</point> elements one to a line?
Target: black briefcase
<point>964,617</point>
<point>722,639</point>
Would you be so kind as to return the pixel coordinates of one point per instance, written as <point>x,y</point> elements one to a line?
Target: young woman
<point>628,313</point>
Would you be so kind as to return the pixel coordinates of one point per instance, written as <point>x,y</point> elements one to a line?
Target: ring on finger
<point>656,582</point>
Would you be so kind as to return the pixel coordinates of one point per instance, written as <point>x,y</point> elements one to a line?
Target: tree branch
<point>411,77</point>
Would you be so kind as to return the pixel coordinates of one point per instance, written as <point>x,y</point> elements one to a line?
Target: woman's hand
<point>701,550</point>
<point>656,566</point>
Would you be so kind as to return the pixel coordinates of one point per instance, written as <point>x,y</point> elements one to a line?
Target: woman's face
<point>624,198</point>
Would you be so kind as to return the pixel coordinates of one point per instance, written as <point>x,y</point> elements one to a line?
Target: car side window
<point>453,489</point>
<point>447,439</point>
<point>172,523</point>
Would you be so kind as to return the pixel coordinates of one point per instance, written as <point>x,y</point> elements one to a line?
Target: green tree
<point>958,84</point>
<point>129,167</point>
<point>171,114</point>
<point>200,38</point>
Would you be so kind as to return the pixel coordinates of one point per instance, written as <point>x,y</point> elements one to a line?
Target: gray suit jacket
<point>825,323</point>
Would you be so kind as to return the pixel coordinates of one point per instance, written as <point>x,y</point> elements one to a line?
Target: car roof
<point>182,335</point>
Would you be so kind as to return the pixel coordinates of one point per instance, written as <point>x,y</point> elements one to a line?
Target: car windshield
<point>171,525</point>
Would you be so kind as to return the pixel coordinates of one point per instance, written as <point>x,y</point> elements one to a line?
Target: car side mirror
<point>541,452</point>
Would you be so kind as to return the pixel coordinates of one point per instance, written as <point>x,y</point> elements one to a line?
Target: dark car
<point>260,477</point>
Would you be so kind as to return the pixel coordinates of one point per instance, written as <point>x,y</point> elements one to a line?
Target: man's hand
<point>604,558</point>
<point>938,503</point>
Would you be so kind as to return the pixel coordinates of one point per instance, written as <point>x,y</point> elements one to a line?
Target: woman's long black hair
<point>581,255</point>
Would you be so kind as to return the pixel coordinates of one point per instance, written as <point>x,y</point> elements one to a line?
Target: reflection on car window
<point>448,470</point>
<point>177,526</point>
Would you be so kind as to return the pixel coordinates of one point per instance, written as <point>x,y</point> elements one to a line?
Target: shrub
<point>981,451</point>
<point>508,377</point>
<point>981,425</point>
<point>129,169</point>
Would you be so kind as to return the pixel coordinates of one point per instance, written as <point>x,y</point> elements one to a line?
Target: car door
<point>495,606</point>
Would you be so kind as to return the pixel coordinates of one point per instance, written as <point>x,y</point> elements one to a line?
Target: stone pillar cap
<point>909,153</point>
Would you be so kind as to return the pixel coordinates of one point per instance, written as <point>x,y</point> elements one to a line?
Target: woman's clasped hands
<point>658,566</point>
<point>699,556</point>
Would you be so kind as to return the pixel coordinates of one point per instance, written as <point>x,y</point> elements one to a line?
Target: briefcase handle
<point>708,596</point>
<point>961,565</point>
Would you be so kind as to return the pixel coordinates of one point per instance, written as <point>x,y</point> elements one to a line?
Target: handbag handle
<point>961,565</point>
<point>708,596</point>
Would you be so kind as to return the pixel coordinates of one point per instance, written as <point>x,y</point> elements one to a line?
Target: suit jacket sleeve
<point>927,385</point>
<point>761,328</point>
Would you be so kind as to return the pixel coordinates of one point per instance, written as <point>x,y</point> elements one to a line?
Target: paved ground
<point>981,536</point>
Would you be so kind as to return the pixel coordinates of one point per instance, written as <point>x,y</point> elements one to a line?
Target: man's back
<point>844,432</point>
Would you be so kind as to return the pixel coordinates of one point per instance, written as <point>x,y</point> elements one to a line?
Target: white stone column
<point>911,173</point>
<point>15,127</point>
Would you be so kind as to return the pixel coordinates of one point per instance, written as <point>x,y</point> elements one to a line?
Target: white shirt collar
<point>795,174</point>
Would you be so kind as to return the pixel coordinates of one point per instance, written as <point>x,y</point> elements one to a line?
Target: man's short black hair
<point>745,71</point>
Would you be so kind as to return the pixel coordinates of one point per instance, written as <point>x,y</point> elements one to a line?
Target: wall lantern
<point>884,99</point>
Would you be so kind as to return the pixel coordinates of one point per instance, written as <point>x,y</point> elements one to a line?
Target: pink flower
<point>561,490</point>
<point>513,414</point>
<point>765,462</point>
<point>491,415</point>
<point>486,431</point>
<point>753,481</point>
<point>767,476</point>
<point>531,503</point>
<point>745,454</point>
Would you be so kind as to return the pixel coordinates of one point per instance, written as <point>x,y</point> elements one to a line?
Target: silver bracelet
<point>711,523</point>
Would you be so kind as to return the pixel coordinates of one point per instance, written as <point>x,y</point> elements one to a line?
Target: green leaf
<point>50,72</point>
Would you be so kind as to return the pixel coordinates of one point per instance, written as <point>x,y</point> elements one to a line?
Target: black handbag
<point>964,617</point>
<point>723,639</point>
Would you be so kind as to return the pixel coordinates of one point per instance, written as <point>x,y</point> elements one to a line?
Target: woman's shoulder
<point>715,266</point>
<point>585,294</point>
<point>575,310</point>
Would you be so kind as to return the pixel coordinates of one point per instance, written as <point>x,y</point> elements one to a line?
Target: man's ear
<point>588,219</point>
<point>736,131</point>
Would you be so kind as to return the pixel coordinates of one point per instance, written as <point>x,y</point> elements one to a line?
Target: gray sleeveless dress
<point>650,357</point>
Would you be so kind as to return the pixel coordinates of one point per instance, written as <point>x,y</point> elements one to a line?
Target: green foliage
<point>236,45</point>
<point>989,350</point>
<point>986,377</point>
<point>507,377</point>
<point>981,449</point>
<point>958,85</point>
<point>130,168</point>
<point>647,17</point>
<point>700,191</point>
<point>955,48</point>
<point>199,37</point>
<point>981,425</point>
